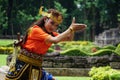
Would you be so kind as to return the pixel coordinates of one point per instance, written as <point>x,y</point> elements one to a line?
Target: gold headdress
<point>58,19</point>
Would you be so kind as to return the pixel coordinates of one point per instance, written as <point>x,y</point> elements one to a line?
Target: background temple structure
<point>111,36</point>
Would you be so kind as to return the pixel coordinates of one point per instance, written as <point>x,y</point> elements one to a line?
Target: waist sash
<point>30,60</point>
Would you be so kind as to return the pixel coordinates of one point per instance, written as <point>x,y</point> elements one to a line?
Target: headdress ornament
<point>58,19</point>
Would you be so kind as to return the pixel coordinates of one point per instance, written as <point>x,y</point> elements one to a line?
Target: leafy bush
<point>104,73</point>
<point>109,47</point>
<point>73,48</point>
<point>73,52</point>
<point>85,48</point>
<point>102,52</point>
<point>115,76</point>
<point>117,50</point>
<point>50,50</point>
<point>6,50</point>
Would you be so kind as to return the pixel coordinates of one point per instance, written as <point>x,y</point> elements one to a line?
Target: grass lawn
<point>3,59</point>
<point>72,78</point>
<point>4,42</point>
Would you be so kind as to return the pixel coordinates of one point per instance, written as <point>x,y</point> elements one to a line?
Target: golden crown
<point>58,19</point>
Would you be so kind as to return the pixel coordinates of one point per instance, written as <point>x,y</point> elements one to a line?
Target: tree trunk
<point>9,11</point>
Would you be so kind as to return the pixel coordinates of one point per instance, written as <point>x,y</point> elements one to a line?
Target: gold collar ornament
<point>58,19</point>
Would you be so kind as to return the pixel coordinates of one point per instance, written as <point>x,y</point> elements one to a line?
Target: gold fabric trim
<point>19,74</point>
<point>34,74</point>
<point>30,60</point>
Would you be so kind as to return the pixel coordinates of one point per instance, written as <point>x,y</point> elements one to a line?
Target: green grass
<point>3,59</point>
<point>4,42</point>
<point>72,78</point>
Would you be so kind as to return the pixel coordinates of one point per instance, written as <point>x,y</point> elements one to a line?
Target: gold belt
<point>29,60</point>
<point>31,54</point>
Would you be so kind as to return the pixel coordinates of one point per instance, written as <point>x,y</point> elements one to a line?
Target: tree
<point>21,14</point>
<point>98,15</point>
<point>3,21</point>
<point>3,17</point>
<point>17,15</point>
<point>60,8</point>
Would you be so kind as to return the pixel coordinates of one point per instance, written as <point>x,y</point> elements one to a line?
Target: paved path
<point>3,71</point>
<point>2,76</point>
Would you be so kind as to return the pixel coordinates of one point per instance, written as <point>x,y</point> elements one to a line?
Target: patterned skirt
<point>27,68</point>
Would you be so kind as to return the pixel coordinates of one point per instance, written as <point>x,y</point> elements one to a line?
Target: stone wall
<point>82,62</point>
<point>68,71</point>
<point>78,65</point>
<point>108,37</point>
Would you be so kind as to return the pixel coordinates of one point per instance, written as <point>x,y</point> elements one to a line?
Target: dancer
<point>39,37</point>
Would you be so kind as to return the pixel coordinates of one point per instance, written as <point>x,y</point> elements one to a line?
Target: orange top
<point>36,40</point>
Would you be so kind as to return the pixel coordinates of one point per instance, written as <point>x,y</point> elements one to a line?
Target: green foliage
<point>73,52</point>
<point>85,48</point>
<point>81,46</point>
<point>109,47</point>
<point>115,76</point>
<point>16,16</point>
<point>6,50</point>
<point>50,50</point>
<point>60,8</point>
<point>102,52</point>
<point>97,14</point>
<point>104,73</point>
<point>118,15</point>
<point>63,10</point>
<point>3,20</point>
<point>117,50</point>
<point>27,19</point>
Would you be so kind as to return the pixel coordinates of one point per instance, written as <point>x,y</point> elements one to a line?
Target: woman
<point>38,39</point>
